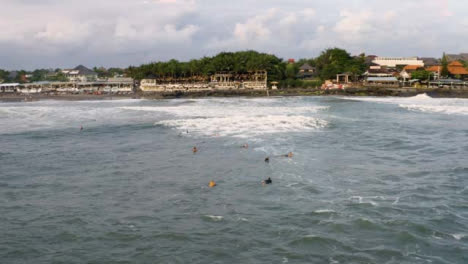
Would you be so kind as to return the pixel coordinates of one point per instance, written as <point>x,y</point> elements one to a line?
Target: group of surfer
<point>246,146</point>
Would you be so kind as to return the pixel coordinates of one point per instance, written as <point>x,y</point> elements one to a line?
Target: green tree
<point>3,75</point>
<point>421,75</point>
<point>101,72</point>
<point>335,61</point>
<point>291,71</point>
<point>444,72</point>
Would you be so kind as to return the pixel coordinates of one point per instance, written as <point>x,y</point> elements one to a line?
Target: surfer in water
<point>194,150</point>
<point>267,181</point>
<point>212,184</point>
<point>267,159</point>
<point>81,128</point>
<point>245,146</point>
<point>289,155</point>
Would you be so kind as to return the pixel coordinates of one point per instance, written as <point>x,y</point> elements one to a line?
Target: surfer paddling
<point>267,181</point>
<point>289,155</point>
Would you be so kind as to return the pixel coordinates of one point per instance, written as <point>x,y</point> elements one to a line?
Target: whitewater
<point>372,180</point>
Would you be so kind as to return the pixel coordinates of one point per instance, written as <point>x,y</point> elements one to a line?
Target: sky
<point>120,33</point>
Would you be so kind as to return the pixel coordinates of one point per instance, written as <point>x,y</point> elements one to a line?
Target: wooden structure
<point>307,72</point>
<point>344,77</point>
<point>452,84</point>
<point>382,82</point>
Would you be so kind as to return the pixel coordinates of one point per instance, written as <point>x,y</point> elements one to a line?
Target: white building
<point>9,87</point>
<point>80,74</point>
<point>394,61</point>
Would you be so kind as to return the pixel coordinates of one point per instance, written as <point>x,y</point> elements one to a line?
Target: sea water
<point>372,180</point>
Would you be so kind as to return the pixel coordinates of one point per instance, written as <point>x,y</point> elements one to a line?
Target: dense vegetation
<point>421,75</point>
<point>335,61</point>
<point>328,64</point>
<point>234,62</point>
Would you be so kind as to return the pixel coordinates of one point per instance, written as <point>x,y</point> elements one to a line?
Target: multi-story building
<point>80,74</point>
<point>396,61</point>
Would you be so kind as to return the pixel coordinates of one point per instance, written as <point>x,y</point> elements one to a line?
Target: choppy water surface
<point>373,180</point>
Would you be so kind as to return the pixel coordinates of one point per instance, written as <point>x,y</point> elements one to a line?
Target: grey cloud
<point>54,33</point>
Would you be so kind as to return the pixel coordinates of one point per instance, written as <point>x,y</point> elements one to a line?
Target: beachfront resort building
<point>396,61</point>
<point>254,80</point>
<point>80,74</point>
<point>382,82</point>
<point>109,86</point>
<point>456,70</point>
<point>408,70</point>
<point>9,87</point>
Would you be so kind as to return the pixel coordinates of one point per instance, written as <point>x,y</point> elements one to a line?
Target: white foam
<point>22,117</point>
<point>213,110</point>
<point>207,117</point>
<point>363,200</point>
<point>441,109</point>
<point>324,211</point>
<point>245,126</point>
<point>423,103</point>
<point>459,236</point>
<point>237,118</point>
<point>215,218</point>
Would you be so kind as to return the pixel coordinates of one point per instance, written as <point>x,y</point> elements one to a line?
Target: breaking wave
<point>237,118</point>
<point>424,103</point>
<point>245,126</point>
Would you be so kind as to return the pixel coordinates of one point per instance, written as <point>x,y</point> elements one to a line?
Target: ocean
<point>372,180</point>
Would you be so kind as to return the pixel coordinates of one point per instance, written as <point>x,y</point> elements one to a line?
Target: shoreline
<point>355,92</point>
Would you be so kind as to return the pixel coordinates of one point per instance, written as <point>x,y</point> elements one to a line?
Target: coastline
<point>376,92</point>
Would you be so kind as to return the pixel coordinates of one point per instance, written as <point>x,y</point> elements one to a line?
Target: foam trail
<point>324,211</point>
<point>215,218</point>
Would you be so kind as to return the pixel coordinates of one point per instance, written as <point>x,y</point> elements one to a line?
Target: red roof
<point>434,68</point>
<point>456,64</point>
<point>457,68</point>
<point>411,67</point>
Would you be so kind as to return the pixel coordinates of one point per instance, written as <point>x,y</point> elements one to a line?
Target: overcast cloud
<point>61,33</point>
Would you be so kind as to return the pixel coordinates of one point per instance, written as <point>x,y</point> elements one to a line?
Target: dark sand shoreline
<point>377,92</point>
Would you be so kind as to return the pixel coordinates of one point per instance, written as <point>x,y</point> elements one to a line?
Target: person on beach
<point>194,150</point>
<point>267,181</point>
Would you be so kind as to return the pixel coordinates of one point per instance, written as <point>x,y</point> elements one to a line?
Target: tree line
<point>329,63</point>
